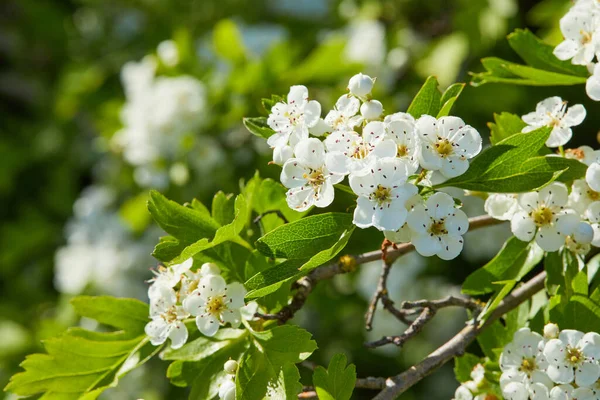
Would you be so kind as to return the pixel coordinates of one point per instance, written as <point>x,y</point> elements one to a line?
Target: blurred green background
<point>73,216</point>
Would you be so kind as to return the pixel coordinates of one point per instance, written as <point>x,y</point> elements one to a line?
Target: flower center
<point>402,150</point>
<point>574,355</point>
<point>542,216</point>
<point>444,147</point>
<point>586,37</point>
<point>170,315</point>
<point>593,195</point>
<point>576,153</point>
<point>528,365</point>
<point>215,305</point>
<point>360,150</point>
<point>382,194</point>
<point>438,228</point>
<point>315,177</point>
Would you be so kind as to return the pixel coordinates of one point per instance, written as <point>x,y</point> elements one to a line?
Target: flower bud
<point>371,109</point>
<point>282,154</point>
<point>231,367</point>
<point>361,85</point>
<point>551,331</point>
<point>584,233</point>
<point>209,269</point>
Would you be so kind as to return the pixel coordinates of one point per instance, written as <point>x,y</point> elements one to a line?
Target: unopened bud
<point>361,85</point>
<point>551,331</point>
<point>231,367</point>
<point>371,109</point>
<point>209,269</point>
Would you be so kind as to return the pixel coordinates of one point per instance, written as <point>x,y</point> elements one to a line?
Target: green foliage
<point>505,125</point>
<point>449,97</point>
<point>463,366</point>
<point>513,166</point>
<point>258,126</point>
<point>270,363</point>
<point>82,364</point>
<point>429,100</point>
<point>337,381</point>
<point>227,41</point>
<point>513,262</point>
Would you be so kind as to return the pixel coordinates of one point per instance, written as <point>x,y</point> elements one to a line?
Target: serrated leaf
<point>228,42</point>
<point>505,125</point>
<point>448,99</point>
<point>540,55</point>
<point>512,166</point>
<point>337,381</point>
<point>304,238</point>
<point>267,282</point>
<point>82,364</point>
<point>427,100</point>
<point>258,127</point>
<point>222,208</point>
<point>513,262</point>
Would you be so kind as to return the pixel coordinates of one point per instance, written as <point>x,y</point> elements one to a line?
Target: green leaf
<point>269,103</point>
<point>266,282</point>
<point>513,262</point>
<point>270,363</point>
<point>337,381</point>
<point>228,42</point>
<point>223,208</point>
<point>81,363</point>
<point>204,347</point>
<point>463,366</point>
<point>258,127</point>
<point>304,238</point>
<point>449,98</point>
<point>506,125</point>
<point>427,100</point>
<point>502,71</point>
<point>512,166</point>
<point>229,232</point>
<point>540,55</point>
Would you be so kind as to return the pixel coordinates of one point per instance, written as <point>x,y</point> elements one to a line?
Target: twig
<point>456,346</point>
<point>348,263</point>
<point>381,290</point>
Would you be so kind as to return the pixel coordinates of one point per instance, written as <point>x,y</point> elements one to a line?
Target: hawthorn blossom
<point>446,144</point>
<point>580,30</point>
<point>371,110</point>
<point>167,319</point>
<point>585,154</point>
<point>573,357</point>
<point>292,120</point>
<point>400,127</point>
<point>308,176</point>
<point>282,153</point>
<point>501,206</point>
<point>171,275</point>
<point>349,152</point>
<point>593,215</point>
<point>582,196</point>
<point>592,176</point>
<point>227,390</point>
<point>552,112</point>
<point>190,280</point>
<point>343,117</point>
<point>382,195</point>
<point>472,390</point>
<point>215,303</point>
<point>545,217</point>
<point>592,85</point>
<point>360,85</point>
<point>437,228</point>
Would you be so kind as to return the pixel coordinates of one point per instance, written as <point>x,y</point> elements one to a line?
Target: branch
<point>348,263</point>
<point>456,346</point>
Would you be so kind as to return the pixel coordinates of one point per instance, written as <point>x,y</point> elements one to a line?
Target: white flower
<point>545,217</point>
<point>438,227</point>
<point>215,303</point>
<point>348,152</point>
<point>573,357</point>
<point>585,154</point>
<point>281,154</point>
<point>592,85</point>
<point>501,206</point>
<point>190,280</point>
<point>308,177</point>
<point>371,110</point>
<point>168,53</point>
<point>552,112</point>
<point>382,194</point>
<point>592,176</point>
<point>586,394</point>
<point>593,215</point>
<point>561,392</point>
<point>400,127</point>
<point>551,331</point>
<point>343,117</point>
<point>227,390</point>
<point>446,144</point>
<point>167,319</point>
<point>320,128</point>
<point>171,275</point>
<point>522,359</point>
<point>580,30</point>
<point>582,196</point>
<point>463,393</point>
<point>292,120</point>
<point>360,85</point>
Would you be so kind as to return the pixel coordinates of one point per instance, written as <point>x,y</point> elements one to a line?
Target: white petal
<point>559,137</point>
<point>300,198</point>
<point>207,324</point>
<point>347,105</point>
<point>550,105</point>
<point>310,152</point>
<point>451,246</point>
<point>337,162</point>
<point>522,226</point>
<point>363,213</point>
<point>297,95</point>
<point>312,113</point>
<point>555,194</point>
<point>469,140</point>
<point>527,342</point>
<point>570,337</point>
<point>515,391</point>
<point>428,158</point>
<point>501,206</point>
<point>584,394</point>
<point>575,115</point>
<point>426,245</point>
<point>561,392</point>
<point>440,205</point>
<point>453,167</point>
<point>549,239</point>
<point>555,349</point>
<point>292,174</point>
<point>418,220</point>
<point>157,330</point>
<point>212,285</point>
<point>325,195</point>
<point>592,177</point>
<point>566,50</point>
<point>194,303</point>
<point>235,294</point>
<point>567,223</point>
<point>592,87</point>
<point>389,218</point>
<point>385,148</point>
<point>587,374</point>
<point>560,373</point>
<point>178,335</point>
<point>457,224</point>
<point>590,345</point>
<point>373,131</point>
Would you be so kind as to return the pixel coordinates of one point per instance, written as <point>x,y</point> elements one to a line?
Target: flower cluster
<point>581,30</point>
<point>559,365</point>
<point>381,155</point>
<point>177,293</point>
<point>475,389</point>
<point>227,387</point>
